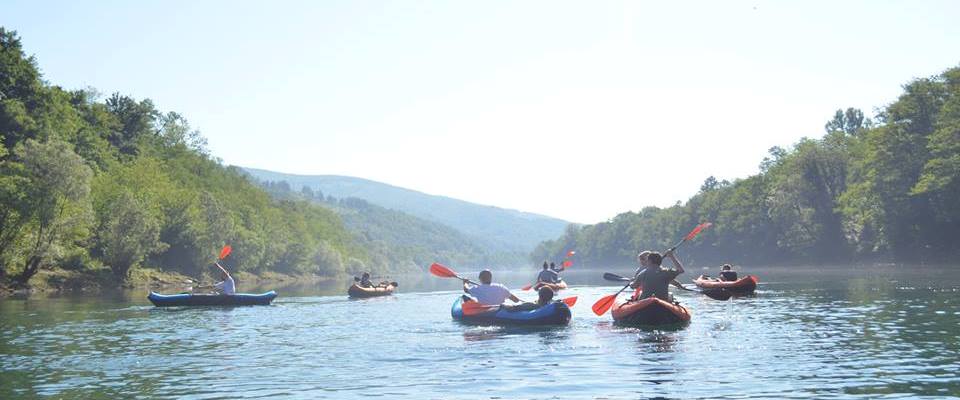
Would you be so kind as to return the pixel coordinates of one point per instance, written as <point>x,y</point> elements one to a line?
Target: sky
<point>576,110</point>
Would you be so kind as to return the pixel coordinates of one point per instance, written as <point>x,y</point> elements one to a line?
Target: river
<point>810,332</point>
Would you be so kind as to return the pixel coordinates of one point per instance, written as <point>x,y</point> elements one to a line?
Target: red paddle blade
<point>567,264</point>
<point>442,271</point>
<point>604,304</point>
<point>225,251</point>
<point>526,288</point>
<point>571,253</point>
<point>570,301</point>
<point>697,230</point>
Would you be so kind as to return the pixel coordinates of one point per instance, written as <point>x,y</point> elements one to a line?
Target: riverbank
<point>51,281</point>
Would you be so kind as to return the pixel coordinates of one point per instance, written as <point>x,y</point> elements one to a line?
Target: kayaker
<point>553,267</point>
<point>488,293</point>
<point>365,280</point>
<point>727,273</point>
<point>227,285</point>
<point>655,279</point>
<point>548,275</point>
<point>545,296</point>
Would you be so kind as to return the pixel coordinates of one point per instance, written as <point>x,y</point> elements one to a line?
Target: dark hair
<point>655,258</point>
<point>726,267</point>
<point>545,294</point>
<point>545,265</point>
<point>487,273</point>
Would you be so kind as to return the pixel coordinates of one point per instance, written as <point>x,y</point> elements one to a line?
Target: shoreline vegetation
<point>885,189</point>
<point>93,188</point>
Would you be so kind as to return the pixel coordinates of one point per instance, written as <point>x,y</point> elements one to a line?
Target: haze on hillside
<point>570,110</point>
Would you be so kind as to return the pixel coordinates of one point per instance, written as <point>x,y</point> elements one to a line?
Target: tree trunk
<point>30,269</point>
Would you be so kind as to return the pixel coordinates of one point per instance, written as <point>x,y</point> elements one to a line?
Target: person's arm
<point>466,287</point>
<point>221,268</point>
<point>676,263</point>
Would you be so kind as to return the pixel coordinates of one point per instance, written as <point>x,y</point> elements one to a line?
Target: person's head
<point>726,267</point>
<point>366,276</point>
<point>553,266</point>
<point>545,266</point>
<point>546,295</point>
<point>649,258</point>
<point>486,277</point>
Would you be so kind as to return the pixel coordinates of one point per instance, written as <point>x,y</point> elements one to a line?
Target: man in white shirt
<point>487,293</point>
<point>227,286</point>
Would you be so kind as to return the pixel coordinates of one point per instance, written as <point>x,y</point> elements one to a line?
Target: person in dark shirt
<point>727,273</point>
<point>652,277</point>
<point>545,296</point>
<point>365,281</point>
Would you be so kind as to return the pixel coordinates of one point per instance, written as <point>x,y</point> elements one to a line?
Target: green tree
<point>127,234</point>
<point>58,183</point>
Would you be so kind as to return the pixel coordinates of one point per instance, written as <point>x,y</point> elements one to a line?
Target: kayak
<point>471,312</point>
<point>555,286</point>
<point>650,311</point>
<point>190,299</point>
<point>362,292</point>
<point>746,284</point>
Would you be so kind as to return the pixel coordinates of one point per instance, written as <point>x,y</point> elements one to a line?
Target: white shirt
<point>227,286</point>
<point>492,295</point>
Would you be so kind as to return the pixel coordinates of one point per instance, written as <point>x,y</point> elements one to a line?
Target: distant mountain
<point>510,230</point>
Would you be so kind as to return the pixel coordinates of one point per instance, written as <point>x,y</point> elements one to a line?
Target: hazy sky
<point>578,110</point>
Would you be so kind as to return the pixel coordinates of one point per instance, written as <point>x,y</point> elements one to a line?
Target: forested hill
<point>399,241</point>
<point>510,229</point>
<point>107,186</point>
<point>886,189</point>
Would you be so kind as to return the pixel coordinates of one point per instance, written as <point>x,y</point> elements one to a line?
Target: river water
<point>810,332</point>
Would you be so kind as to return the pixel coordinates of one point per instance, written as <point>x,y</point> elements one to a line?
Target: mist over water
<point>809,332</point>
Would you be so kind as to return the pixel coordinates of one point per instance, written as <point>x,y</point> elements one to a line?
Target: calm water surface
<point>809,332</point>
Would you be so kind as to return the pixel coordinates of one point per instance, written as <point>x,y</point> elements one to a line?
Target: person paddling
<point>547,276</point>
<point>655,279</point>
<point>365,280</point>
<point>727,273</point>
<point>488,293</point>
<point>227,286</point>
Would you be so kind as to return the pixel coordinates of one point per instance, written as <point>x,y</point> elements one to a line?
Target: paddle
<point>570,301</point>
<point>720,294</point>
<point>444,272</point>
<point>603,305</point>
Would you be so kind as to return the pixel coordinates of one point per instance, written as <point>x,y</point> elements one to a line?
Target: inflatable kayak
<point>555,286</point>
<point>362,292</point>
<point>746,284</point>
<point>190,299</point>
<point>556,313</point>
<point>650,311</point>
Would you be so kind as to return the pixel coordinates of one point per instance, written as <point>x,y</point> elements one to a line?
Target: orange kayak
<point>360,292</point>
<point>650,311</point>
<point>555,286</point>
<point>746,284</point>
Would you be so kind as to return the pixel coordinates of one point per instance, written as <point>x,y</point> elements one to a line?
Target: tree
<point>58,183</point>
<point>128,234</point>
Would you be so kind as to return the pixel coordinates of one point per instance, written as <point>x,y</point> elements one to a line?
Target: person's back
<point>365,281</point>
<point>548,276</point>
<point>727,273</point>
<point>655,279</point>
<point>227,286</point>
<point>544,297</point>
<point>487,292</point>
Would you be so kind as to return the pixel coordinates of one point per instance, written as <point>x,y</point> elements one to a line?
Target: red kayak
<point>650,311</point>
<point>743,285</point>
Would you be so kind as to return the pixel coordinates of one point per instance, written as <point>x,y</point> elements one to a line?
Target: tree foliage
<point>887,188</point>
<point>123,184</point>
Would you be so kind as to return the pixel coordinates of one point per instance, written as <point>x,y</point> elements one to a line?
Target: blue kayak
<point>190,299</point>
<point>556,313</point>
